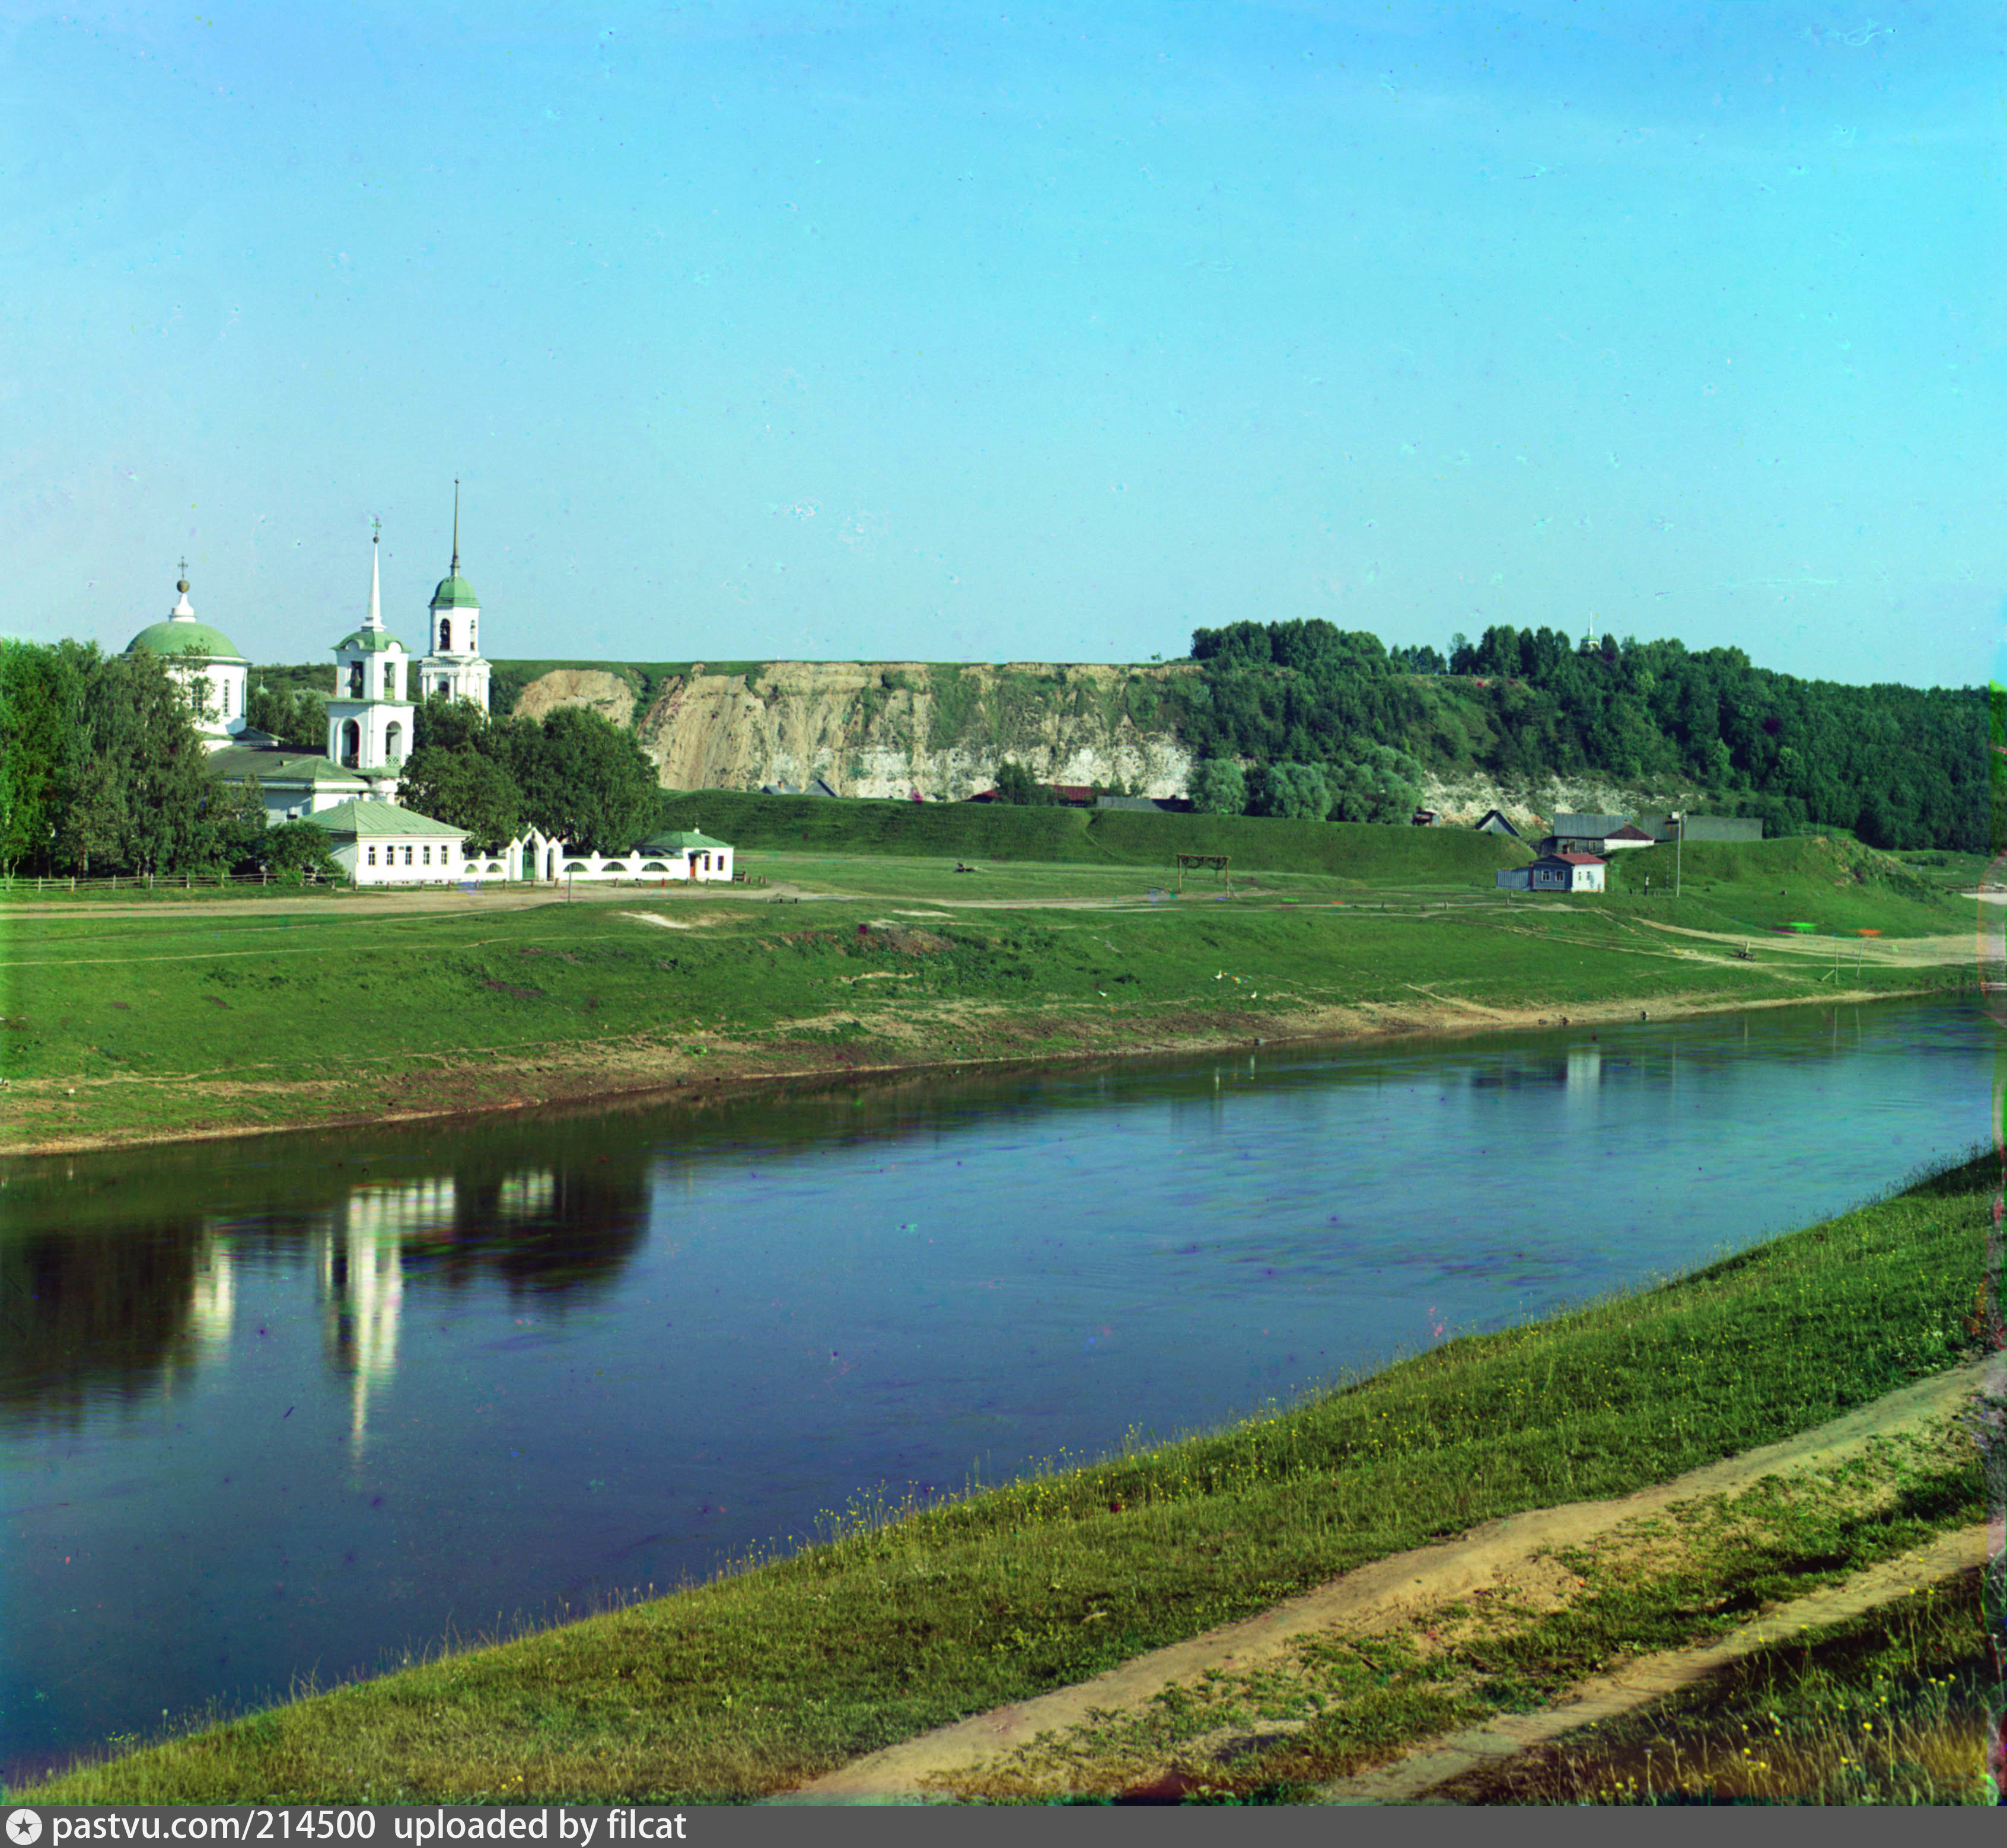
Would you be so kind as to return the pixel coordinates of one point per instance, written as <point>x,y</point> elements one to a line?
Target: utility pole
<point>1679,844</point>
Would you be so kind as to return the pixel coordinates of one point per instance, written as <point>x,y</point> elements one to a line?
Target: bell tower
<point>452,664</point>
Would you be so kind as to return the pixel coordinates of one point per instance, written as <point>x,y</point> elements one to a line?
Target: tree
<point>296,850</point>
<point>1295,792</point>
<point>1218,786</point>
<point>584,780</point>
<point>33,700</point>
<point>467,788</point>
<point>297,718</point>
<point>1018,786</point>
<point>453,724</point>
<point>1380,784</point>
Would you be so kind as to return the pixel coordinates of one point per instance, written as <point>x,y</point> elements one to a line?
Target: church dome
<point>455,593</point>
<point>182,634</point>
<point>184,638</point>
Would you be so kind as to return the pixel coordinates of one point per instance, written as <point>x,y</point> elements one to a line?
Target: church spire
<point>455,571</point>
<point>376,618</point>
<point>184,610</point>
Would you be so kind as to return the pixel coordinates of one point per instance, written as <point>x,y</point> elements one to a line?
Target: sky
<point>960,332</point>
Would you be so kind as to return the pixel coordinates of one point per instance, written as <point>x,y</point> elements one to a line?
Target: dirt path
<point>1458,1754</point>
<point>1507,1555</point>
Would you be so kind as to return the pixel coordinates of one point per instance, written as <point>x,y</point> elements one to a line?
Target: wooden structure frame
<point>1219,861</point>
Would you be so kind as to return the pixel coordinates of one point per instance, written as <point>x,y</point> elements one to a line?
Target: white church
<point>352,790</point>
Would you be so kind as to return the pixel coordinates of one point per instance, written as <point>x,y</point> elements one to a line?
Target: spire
<point>455,571</point>
<point>375,620</point>
<point>184,610</point>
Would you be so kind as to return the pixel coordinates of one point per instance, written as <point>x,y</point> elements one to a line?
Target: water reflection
<point>290,1403</point>
<point>106,1304</point>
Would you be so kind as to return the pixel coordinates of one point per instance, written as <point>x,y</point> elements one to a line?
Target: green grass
<point>1355,1694</point>
<point>1946,870</point>
<point>906,1618</point>
<point>1889,1708</point>
<point>182,1018</point>
<point>1459,857</point>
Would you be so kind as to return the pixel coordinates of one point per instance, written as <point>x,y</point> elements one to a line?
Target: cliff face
<point>885,729</point>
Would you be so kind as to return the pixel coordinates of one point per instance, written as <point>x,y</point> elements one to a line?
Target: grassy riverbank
<point>910,1618</point>
<point>182,1015</point>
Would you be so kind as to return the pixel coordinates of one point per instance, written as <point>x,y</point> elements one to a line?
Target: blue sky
<point>951,332</point>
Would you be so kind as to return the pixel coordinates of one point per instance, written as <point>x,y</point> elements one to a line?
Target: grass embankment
<point>758,1682</point>
<point>180,1016</point>
<point>1355,853</point>
<point>1888,1709</point>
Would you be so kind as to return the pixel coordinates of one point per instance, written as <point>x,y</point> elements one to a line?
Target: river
<point>293,1405</point>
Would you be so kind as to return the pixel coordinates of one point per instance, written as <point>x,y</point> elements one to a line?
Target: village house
<point>1554,872</point>
<point>380,843</point>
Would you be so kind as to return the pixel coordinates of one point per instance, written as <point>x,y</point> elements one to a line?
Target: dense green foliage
<point>297,849</point>
<point>576,776</point>
<point>1901,766</point>
<point>101,769</point>
<point>297,716</point>
<point>1017,786</point>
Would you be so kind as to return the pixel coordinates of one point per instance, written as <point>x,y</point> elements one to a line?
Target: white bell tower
<point>453,665</point>
<point>369,718</point>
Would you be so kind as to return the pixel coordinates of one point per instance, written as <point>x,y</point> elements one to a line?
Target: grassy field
<point>183,1014</point>
<point>1449,858</point>
<point>905,1618</point>
<point>1888,1709</point>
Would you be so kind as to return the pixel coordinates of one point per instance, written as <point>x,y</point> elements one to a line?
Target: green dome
<point>184,638</point>
<point>455,593</point>
<point>370,641</point>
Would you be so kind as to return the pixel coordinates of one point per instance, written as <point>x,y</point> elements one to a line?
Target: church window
<point>446,635</point>
<point>356,680</point>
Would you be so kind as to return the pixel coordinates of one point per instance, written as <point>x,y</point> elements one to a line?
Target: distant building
<point>205,663</point>
<point>454,667</point>
<point>1423,818</point>
<point>369,718</point>
<point>377,844</point>
<point>1496,824</point>
<point>1582,834</point>
<point>815,786</point>
<point>1566,873</point>
<point>1629,835</point>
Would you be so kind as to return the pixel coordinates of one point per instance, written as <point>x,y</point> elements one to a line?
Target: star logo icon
<point>24,1828</point>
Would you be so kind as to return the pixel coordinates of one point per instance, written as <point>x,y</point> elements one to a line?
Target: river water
<point>291,1405</point>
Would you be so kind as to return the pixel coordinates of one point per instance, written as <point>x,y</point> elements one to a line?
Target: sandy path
<point>1652,1678</point>
<point>1499,1555</point>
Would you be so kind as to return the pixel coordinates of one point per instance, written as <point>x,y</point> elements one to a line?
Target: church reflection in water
<point>104,1309</point>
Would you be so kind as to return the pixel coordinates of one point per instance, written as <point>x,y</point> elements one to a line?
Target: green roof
<point>680,843</point>
<point>364,817</point>
<point>184,638</point>
<point>371,641</point>
<point>235,762</point>
<point>455,593</point>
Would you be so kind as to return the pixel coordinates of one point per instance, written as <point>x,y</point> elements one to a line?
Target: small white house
<point>378,844</point>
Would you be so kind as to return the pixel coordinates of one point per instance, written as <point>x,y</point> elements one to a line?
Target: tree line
<point>1901,766</point>
<point>102,770</point>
